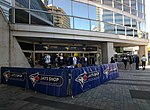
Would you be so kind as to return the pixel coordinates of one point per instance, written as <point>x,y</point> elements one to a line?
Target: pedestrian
<point>125,60</point>
<point>74,61</point>
<point>143,60</point>
<point>130,61</point>
<point>47,61</point>
<point>112,60</point>
<point>137,62</point>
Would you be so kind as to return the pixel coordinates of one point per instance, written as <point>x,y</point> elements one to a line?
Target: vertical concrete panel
<point>107,52</point>
<point>18,57</point>
<point>4,42</point>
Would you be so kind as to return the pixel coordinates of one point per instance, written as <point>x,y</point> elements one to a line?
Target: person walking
<point>125,60</point>
<point>112,60</point>
<point>137,62</point>
<point>143,60</point>
<point>130,61</point>
<point>47,61</point>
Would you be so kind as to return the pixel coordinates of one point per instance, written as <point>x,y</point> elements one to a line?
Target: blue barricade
<point>57,81</point>
<point>48,81</point>
<point>84,79</point>
<point>14,76</point>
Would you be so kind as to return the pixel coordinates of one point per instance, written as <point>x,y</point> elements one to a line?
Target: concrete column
<point>143,51</point>
<point>107,52</point>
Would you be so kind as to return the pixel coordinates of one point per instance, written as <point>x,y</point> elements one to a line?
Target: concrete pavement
<point>131,91</point>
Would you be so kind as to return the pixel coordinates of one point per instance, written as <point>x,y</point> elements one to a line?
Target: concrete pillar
<point>143,51</point>
<point>107,52</point>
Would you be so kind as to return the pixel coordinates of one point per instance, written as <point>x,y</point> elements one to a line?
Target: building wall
<point>4,42</point>
<point>11,53</point>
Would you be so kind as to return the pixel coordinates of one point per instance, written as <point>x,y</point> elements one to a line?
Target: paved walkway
<point>131,91</point>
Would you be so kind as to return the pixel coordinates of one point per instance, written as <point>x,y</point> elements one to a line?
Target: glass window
<point>71,23</point>
<point>121,30</point>
<point>82,24</point>
<point>41,18</point>
<point>129,32</point>
<point>126,2</point>
<point>119,1</point>
<point>134,23</point>
<point>22,3</point>
<point>127,21</point>
<point>118,18</point>
<point>126,8</point>
<point>135,33</point>
<point>140,15</point>
<point>92,12</point>
<point>37,5</point>
<point>107,2</point>
<point>95,26</point>
<point>108,28</point>
<point>61,21</point>
<point>118,5</point>
<point>107,16</point>
<point>142,26</point>
<point>64,5</point>
<point>133,4</point>
<point>80,9</point>
<point>133,12</point>
<point>140,7</point>
<point>21,16</point>
<point>50,2</point>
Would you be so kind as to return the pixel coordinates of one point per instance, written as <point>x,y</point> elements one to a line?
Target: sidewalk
<point>131,91</point>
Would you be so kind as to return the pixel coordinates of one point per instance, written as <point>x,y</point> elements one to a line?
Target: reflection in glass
<point>142,26</point>
<point>22,3</point>
<point>127,21</point>
<point>61,21</point>
<point>21,16</point>
<point>133,4</point>
<point>126,8</point>
<point>107,16</point>
<point>107,2</point>
<point>134,23</point>
<point>71,23</point>
<point>118,18</point>
<point>120,30</point>
<point>133,12</point>
<point>82,24</point>
<point>139,6</point>
<point>140,15</point>
<point>37,4</point>
<point>64,5</point>
<point>7,9</point>
<point>41,18</point>
<point>92,12</point>
<point>135,33</point>
<point>126,2</point>
<point>95,26</point>
<point>129,32</point>
<point>118,5</point>
<point>109,28</point>
<point>50,2</point>
<point>80,9</point>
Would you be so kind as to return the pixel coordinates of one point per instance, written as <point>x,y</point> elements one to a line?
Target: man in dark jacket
<point>137,62</point>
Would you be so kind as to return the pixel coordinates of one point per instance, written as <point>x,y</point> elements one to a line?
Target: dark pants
<point>143,64</point>
<point>137,66</point>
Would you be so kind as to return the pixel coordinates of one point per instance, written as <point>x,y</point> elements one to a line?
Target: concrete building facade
<point>94,29</point>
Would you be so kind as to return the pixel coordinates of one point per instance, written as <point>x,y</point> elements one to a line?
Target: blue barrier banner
<point>49,81</point>
<point>110,71</point>
<point>84,79</point>
<point>14,76</point>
